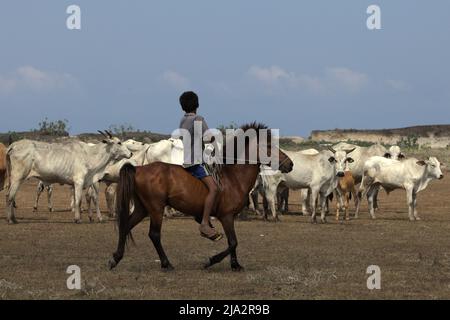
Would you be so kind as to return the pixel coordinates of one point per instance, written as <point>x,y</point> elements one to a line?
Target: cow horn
<point>331,149</point>
<point>350,151</point>
<point>109,134</point>
<point>102,133</point>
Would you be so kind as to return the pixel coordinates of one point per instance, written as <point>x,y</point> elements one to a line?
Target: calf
<point>345,190</point>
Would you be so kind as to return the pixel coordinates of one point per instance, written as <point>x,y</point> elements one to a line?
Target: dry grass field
<point>292,259</point>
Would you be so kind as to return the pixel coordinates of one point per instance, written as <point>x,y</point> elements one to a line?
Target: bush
<point>53,128</point>
<point>122,130</point>
<point>409,142</point>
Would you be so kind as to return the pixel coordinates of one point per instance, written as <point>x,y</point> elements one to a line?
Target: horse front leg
<point>228,227</point>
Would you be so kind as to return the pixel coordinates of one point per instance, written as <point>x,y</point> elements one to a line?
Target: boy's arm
<point>204,125</point>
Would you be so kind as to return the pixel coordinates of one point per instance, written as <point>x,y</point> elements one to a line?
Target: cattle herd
<point>343,171</point>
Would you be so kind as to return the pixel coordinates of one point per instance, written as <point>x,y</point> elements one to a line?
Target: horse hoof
<point>12,221</point>
<point>112,263</point>
<point>77,221</point>
<point>34,209</point>
<point>323,220</point>
<point>169,267</point>
<point>417,218</point>
<point>237,268</point>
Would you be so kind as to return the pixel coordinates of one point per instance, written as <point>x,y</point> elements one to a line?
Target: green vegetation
<point>53,128</point>
<point>409,142</point>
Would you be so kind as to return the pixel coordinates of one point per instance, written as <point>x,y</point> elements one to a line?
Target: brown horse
<point>154,186</point>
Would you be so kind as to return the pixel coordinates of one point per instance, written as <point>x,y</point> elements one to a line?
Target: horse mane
<point>216,169</point>
<point>254,125</point>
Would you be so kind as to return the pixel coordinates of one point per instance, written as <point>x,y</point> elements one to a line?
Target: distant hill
<point>432,136</point>
<point>144,136</point>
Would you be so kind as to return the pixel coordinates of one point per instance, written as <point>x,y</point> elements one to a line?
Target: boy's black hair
<point>189,101</point>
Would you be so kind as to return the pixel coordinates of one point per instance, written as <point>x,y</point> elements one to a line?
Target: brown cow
<point>345,190</point>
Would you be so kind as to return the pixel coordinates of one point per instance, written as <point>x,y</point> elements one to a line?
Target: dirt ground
<point>292,259</point>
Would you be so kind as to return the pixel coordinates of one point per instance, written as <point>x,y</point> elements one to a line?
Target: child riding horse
<point>154,186</point>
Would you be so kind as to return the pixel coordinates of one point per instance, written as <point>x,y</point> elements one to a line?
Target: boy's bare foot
<point>210,233</point>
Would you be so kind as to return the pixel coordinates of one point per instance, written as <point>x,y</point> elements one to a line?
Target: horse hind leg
<point>155,236</point>
<point>139,213</point>
<point>228,226</point>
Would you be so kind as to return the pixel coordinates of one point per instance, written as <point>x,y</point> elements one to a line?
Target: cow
<point>410,175</point>
<point>133,145</point>
<point>74,163</point>
<point>394,153</point>
<point>266,184</point>
<point>169,150</point>
<point>345,190</point>
<point>272,186</point>
<point>2,165</point>
<point>283,197</point>
<point>362,154</point>
<point>319,173</point>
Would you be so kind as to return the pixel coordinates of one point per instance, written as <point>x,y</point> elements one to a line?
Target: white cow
<point>411,175</point>
<point>319,173</point>
<point>267,184</point>
<point>361,154</point>
<point>133,145</point>
<point>74,163</point>
<point>169,150</point>
<point>49,187</point>
<point>394,153</point>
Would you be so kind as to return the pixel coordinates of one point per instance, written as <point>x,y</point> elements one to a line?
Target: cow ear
<point>387,155</point>
<point>401,156</point>
<point>331,159</point>
<point>350,160</point>
<point>421,163</point>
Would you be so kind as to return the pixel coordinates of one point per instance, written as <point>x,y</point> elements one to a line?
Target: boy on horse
<point>194,162</point>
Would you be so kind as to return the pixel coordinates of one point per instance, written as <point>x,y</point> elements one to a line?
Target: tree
<point>53,128</point>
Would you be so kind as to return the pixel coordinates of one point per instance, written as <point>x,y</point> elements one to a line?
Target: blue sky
<point>295,65</point>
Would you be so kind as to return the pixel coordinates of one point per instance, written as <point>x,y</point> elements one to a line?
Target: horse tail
<point>124,194</point>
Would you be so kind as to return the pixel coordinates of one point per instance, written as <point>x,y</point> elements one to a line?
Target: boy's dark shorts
<point>199,171</point>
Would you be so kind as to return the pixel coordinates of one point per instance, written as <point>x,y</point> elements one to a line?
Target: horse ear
<point>332,159</point>
<point>387,155</point>
<point>421,163</point>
